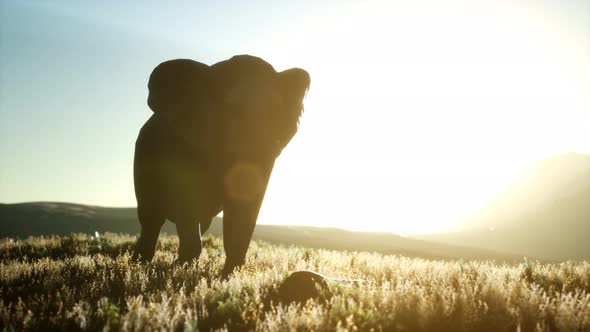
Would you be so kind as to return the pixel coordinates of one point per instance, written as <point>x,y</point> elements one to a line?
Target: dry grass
<point>81,282</point>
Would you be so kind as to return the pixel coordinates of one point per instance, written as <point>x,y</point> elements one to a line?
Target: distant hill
<point>46,218</point>
<point>43,218</point>
<point>544,214</point>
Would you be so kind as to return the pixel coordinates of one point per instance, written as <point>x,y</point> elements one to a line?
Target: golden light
<point>417,115</point>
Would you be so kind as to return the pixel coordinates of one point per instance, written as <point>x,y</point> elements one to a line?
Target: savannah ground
<point>81,282</point>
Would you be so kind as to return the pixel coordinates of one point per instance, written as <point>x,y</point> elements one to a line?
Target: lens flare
<point>244,181</point>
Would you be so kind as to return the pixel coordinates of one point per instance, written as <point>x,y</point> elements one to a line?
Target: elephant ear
<point>178,86</point>
<point>293,84</point>
<point>180,97</point>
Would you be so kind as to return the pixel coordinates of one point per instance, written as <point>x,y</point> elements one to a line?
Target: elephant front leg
<point>239,220</point>
<point>189,237</point>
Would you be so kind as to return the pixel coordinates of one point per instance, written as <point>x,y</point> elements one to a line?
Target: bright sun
<point>419,111</point>
<point>448,105</point>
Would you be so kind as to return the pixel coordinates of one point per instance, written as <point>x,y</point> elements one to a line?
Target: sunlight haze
<point>418,112</point>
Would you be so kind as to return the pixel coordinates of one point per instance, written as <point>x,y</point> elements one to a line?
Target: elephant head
<point>262,107</point>
<point>211,146</point>
<point>242,104</point>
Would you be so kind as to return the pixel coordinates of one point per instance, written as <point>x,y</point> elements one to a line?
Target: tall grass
<point>83,282</point>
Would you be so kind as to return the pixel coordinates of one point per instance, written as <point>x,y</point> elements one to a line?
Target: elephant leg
<point>205,225</point>
<point>239,220</point>
<point>145,246</point>
<point>206,221</point>
<point>189,237</point>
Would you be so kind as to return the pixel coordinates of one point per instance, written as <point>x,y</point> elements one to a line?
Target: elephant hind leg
<point>145,246</point>
<point>206,221</point>
<point>189,237</point>
<point>205,225</point>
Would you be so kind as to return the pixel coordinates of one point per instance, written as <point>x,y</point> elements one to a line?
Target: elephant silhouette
<point>210,146</point>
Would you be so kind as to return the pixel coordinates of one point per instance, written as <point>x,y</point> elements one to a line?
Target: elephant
<point>210,146</point>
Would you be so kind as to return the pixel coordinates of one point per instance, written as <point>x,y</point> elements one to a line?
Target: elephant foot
<point>228,269</point>
<point>226,273</point>
<point>145,247</point>
<point>189,238</point>
<point>141,254</point>
<point>186,263</point>
<point>138,258</point>
<point>188,256</point>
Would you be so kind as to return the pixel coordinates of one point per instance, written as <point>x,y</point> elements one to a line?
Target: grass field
<point>82,282</point>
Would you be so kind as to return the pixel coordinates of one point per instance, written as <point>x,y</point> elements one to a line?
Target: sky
<point>418,111</point>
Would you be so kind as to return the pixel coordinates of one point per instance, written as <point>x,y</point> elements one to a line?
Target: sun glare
<point>418,113</point>
<point>425,114</point>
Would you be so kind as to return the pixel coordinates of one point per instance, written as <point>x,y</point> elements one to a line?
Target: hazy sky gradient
<point>417,113</point>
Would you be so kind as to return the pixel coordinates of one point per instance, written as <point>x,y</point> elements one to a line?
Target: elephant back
<point>178,85</point>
